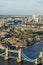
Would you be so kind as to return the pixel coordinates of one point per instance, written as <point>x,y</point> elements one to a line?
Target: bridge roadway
<point>16,51</point>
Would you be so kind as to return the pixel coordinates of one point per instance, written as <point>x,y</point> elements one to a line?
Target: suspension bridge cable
<point>26,58</point>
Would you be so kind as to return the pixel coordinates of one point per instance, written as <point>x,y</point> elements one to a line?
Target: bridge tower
<point>6,54</point>
<point>36,61</point>
<point>19,59</point>
<point>39,59</point>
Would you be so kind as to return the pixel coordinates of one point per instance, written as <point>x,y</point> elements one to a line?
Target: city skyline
<point>21,7</point>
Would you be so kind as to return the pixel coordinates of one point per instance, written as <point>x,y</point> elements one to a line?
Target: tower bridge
<point>22,56</point>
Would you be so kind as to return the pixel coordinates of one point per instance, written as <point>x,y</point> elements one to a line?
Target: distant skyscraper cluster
<point>25,19</point>
<point>35,19</point>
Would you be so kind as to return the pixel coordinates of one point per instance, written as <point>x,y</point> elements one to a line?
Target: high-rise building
<point>33,17</point>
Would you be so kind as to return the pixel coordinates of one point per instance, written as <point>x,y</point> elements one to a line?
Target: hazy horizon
<point>21,7</point>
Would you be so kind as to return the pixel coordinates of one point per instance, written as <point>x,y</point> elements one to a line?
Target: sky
<point>21,7</point>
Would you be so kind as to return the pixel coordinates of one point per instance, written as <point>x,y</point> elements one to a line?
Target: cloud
<point>41,1</point>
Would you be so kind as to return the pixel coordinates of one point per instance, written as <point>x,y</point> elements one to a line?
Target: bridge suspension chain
<point>27,59</point>
<point>2,53</point>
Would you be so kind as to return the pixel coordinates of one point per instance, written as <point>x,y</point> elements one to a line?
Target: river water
<point>18,25</point>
